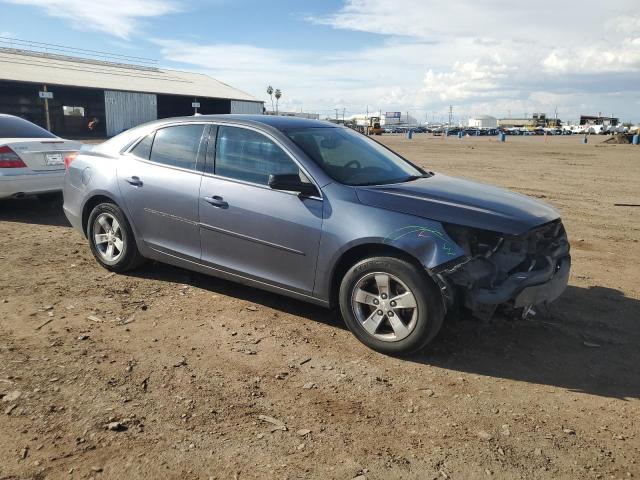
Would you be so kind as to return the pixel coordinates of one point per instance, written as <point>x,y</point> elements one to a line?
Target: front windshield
<point>352,158</point>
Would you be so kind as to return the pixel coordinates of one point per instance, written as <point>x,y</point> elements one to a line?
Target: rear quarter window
<point>143,148</point>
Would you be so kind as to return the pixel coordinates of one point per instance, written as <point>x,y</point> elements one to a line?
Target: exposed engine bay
<point>517,271</point>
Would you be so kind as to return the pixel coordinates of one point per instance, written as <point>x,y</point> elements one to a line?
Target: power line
<point>17,43</point>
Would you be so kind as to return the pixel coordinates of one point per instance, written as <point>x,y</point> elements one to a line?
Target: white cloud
<point>467,79</point>
<point>381,77</point>
<point>628,24</point>
<point>522,57</point>
<point>120,18</point>
<point>596,59</point>
<point>544,22</point>
<point>410,74</point>
<point>483,57</point>
<point>480,57</point>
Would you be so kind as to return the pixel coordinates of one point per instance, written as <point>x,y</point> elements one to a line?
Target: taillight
<point>10,159</point>
<point>68,159</point>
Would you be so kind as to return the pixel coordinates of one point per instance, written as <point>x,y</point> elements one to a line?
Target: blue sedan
<point>318,212</point>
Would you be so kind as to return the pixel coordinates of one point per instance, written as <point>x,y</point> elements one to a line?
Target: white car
<point>31,158</point>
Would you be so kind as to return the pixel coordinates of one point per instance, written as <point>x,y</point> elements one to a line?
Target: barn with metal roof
<point>103,95</point>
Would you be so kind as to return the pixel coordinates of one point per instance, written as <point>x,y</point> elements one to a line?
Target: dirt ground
<point>165,373</point>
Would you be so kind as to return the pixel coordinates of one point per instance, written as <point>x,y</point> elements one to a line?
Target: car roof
<point>281,123</point>
<point>275,121</point>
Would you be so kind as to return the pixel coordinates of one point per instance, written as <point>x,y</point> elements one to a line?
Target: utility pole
<point>46,109</point>
<point>336,114</point>
<point>343,109</point>
<point>450,114</point>
<point>366,122</point>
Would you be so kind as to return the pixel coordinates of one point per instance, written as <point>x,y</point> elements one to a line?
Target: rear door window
<point>177,146</point>
<point>244,154</point>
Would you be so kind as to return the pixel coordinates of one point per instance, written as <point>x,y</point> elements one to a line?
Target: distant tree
<point>278,94</point>
<point>270,93</point>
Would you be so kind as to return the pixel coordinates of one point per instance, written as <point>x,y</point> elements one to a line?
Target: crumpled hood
<point>462,202</point>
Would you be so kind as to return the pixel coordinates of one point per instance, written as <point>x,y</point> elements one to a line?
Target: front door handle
<point>216,201</point>
<point>135,181</point>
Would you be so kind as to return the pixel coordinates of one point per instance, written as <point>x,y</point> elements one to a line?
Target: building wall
<point>181,106</point>
<point>248,108</point>
<point>124,110</point>
<point>593,120</point>
<point>311,116</point>
<point>404,119</point>
<point>516,122</point>
<point>72,109</point>
<point>483,122</point>
<point>21,99</point>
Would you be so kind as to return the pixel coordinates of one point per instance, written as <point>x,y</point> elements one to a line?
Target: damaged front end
<point>516,271</point>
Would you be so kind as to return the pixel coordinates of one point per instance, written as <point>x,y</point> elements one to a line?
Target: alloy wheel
<point>107,236</point>
<point>384,306</point>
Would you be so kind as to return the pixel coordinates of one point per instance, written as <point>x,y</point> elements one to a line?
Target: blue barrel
<point>409,134</point>
<point>460,134</point>
<point>636,139</point>
<point>502,137</point>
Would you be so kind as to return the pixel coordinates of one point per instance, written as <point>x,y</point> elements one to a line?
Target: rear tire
<point>390,305</point>
<point>111,239</point>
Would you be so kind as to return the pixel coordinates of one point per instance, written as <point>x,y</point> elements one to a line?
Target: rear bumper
<point>73,206</point>
<point>30,183</point>
<point>74,220</point>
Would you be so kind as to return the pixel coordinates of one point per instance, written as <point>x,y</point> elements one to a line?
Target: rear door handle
<point>216,201</point>
<point>135,181</point>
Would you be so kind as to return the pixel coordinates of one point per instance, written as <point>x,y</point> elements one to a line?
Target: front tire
<point>390,305</point>
<point>111,239</point>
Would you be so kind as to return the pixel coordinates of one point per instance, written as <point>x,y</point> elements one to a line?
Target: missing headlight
<point>474,241</point>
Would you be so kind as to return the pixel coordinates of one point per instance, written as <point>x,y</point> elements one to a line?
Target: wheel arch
<point>95,200</point>
<point>359,252</point>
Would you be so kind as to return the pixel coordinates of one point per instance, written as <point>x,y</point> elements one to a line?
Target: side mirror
<point>292,183</point>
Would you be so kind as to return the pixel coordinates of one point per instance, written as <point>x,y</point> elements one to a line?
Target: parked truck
<point>369,126</point>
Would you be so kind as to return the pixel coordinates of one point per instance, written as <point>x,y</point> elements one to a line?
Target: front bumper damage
<point>516,271</point>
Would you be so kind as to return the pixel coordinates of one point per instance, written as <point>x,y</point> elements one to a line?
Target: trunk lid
<point>42,154</point>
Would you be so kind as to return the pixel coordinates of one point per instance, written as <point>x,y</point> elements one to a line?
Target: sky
<point>495,57</point>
